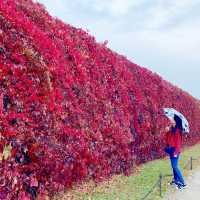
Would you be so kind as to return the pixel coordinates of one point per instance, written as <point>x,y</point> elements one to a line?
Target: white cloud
<point>164,12</point>
<point>182,40</point>
<point>114,7</point>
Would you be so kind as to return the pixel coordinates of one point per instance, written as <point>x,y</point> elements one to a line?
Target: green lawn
<point>135,186</point>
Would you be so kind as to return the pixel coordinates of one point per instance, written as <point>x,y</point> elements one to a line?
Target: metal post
<point>160,184</point>
<point>191,164</point>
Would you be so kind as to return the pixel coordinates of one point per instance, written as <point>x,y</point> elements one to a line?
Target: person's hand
<point>167,129</point>
<point>175,155</point>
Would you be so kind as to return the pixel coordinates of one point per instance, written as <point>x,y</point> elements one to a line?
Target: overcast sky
<point>162,35</point>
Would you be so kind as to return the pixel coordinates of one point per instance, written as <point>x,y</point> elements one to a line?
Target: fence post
<point>160,184</point>
<point>191,164</point>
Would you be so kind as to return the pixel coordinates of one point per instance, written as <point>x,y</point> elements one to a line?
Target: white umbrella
<point>171,112</point>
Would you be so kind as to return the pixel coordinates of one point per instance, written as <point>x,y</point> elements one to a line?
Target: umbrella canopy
<point>171,113</point>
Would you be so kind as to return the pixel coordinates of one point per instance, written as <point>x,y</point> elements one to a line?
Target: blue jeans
<point>178,178</point>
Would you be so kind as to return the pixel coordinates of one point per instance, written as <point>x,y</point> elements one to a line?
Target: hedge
<point>72,109</point>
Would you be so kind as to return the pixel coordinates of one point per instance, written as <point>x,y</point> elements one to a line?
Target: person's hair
<point>178,123</point>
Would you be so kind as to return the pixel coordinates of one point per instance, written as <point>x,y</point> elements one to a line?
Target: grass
<point>135,186</point>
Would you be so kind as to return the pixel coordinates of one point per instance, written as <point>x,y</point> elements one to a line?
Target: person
<point>173,148</point>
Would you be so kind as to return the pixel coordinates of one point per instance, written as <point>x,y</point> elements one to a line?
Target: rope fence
<point>159,182</point>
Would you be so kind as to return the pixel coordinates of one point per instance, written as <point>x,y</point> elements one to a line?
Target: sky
<point>161,35</point>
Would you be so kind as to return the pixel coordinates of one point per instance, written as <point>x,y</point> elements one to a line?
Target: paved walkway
<point>192,192</point>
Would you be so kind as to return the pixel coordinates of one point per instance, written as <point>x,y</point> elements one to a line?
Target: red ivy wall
<point>71,109</point>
